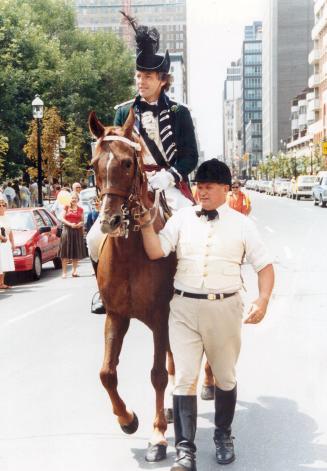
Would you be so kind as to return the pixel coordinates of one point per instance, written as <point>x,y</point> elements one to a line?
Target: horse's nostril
<point>115,221</point>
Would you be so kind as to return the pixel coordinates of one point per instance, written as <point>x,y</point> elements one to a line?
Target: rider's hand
<point>257,311</point>
<point>162,180</point>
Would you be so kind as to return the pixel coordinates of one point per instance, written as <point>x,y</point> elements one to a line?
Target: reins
<point>133,209</point>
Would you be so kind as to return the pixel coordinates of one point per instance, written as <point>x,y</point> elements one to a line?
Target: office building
<point>286,44</point>
<point>252,92</point>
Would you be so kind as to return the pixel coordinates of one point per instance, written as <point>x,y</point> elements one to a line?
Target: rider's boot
<point>97,306</point>
<point>185,416</point>
<point>225,402</point>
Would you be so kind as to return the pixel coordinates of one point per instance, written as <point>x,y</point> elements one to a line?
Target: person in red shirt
<point>238,200</point>
<point>72,244</point>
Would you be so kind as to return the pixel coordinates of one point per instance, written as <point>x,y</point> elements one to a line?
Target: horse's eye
<point>127,164</point>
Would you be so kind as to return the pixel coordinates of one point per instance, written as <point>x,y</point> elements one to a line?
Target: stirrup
<point>97,306</point>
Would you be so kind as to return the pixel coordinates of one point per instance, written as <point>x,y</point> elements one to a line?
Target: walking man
<point>210,241</point>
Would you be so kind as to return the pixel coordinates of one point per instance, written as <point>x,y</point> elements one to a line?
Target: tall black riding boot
<point>225,402</point>
<point>97,306</point>
<point>185,417</point>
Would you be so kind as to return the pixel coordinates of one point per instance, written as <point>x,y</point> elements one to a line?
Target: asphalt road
<point>56,416</point>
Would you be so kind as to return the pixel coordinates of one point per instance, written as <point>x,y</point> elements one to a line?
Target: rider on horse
<point>165,126</point>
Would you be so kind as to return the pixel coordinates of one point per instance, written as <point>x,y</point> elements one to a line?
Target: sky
<point>215,34</point>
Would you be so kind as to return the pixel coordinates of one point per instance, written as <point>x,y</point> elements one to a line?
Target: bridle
<point>133,207</point>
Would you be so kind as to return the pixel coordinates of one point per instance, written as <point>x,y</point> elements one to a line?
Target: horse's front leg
<point>115,330</point>
<point>157,449</point>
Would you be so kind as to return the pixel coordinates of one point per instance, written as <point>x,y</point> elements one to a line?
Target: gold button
<point>205,274</point>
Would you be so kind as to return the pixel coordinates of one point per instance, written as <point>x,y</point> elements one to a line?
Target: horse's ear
<point>129,124</point>
<point>95,126</point>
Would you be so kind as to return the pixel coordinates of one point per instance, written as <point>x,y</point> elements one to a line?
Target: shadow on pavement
<point>139,457</point>
<point>271,435</point>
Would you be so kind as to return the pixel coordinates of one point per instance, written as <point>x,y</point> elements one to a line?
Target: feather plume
<point>147,39</point>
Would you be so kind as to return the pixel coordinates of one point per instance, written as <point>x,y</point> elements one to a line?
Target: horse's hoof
<point>208,393</point>
<point>169,414</point>
<point>156,453</point>
<point>132,427</point>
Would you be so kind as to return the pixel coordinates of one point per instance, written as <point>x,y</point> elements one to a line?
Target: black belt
<point>210,296</point>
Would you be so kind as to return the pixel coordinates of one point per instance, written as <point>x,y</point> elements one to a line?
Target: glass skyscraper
<point>252,92</point>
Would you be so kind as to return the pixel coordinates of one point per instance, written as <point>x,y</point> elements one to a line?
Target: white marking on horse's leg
<point>158,437</point>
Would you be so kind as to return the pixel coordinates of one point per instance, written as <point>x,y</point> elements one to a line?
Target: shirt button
<point>205,274</point>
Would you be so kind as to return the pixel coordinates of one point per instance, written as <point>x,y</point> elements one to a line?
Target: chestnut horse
<point>130,285</point>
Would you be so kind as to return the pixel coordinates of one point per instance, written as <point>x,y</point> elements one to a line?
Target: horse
<point>130,284</point>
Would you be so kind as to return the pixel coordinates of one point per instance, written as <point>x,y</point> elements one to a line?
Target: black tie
<point>146,107</point>
<point>210,214</point>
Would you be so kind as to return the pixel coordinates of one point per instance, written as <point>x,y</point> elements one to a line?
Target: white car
<point>281,186</point>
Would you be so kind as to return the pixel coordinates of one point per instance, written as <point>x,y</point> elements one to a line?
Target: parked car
<point>88,194</point>
<point>250,184</point>
<point>319,190</point>
<point>269,187</point>
<point>281,186</point>
<point>36,239</point>
<point>262,185</point>
<point>302,187</point>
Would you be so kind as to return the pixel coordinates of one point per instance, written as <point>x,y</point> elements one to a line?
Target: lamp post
<point>37,107</point>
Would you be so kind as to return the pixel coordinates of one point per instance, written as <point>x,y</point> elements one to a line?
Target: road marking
<point>38,309</point>
<point>288,252</point>
<point>269,229</point>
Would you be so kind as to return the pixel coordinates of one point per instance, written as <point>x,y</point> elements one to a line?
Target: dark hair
<point>168,78</point>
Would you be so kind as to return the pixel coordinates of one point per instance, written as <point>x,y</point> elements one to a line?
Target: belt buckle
<point>212,297</point>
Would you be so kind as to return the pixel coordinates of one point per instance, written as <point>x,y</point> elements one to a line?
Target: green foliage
<point>76,157</point>
<point>42,51</point>
<point>3,151</point>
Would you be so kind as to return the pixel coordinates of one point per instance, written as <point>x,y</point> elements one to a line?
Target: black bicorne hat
<point>147,45</point>
<point>213,171</point>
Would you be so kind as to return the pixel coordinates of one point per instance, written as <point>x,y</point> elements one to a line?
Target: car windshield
<point>308,179</point>
<point>20,220</point>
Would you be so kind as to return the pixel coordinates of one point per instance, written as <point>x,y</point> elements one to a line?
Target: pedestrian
<point>16,202</point>
<point>238,200</point>
<point>34,193</point>
<point>77,188</point>
<point>10,194</point>
<point>72,243</point>
<point>206,310</point>
<point>6,244</point>
<point>166,128</point>
<point>93,215</point>
<point>25,195</point>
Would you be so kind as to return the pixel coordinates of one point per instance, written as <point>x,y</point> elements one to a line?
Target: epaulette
<point>123,104</point>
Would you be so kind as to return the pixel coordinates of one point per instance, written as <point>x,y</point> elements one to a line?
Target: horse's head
<point>118,168</point>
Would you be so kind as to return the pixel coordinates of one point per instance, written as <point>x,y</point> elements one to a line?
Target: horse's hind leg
<point>159,378</point>
<point>115,330</point>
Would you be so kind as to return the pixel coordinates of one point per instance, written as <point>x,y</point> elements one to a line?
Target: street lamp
<point>311,145</point>
<point>37,107</point>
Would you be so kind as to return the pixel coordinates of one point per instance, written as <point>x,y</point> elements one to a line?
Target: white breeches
<point>175,200</point>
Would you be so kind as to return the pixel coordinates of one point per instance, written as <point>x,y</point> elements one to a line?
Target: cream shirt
<point>210,253</point>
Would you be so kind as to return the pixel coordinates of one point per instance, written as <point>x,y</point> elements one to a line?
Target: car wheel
<point>37,267</point>
<point>57,263</point>
<point>315,202</point>
<point>321,202</point>
<point>297,197</point>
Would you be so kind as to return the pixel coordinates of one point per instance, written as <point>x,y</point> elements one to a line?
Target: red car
<point>36,239</point>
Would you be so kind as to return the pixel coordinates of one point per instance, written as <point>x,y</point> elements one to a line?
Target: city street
<point>56,416</point>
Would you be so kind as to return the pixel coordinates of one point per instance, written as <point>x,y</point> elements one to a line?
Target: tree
<point>76,157</point>
<point>42,51</point>
<point>51,130</point>
<point>3,151</point>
